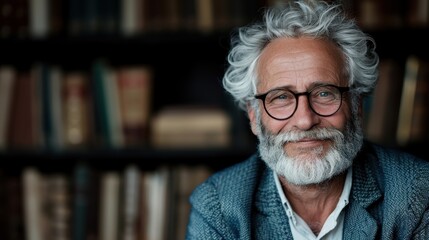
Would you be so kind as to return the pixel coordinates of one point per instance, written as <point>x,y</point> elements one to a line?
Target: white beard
<point>313,167</point>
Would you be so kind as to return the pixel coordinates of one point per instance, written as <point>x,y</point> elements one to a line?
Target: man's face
<point>306,148</point>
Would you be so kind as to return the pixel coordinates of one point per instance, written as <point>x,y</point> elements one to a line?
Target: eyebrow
<point>293,88</point>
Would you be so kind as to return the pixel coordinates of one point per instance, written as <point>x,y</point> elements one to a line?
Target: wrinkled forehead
<point>299,62</point>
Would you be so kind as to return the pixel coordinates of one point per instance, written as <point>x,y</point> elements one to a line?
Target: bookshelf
<point>183,57</point>
<point>407,41</point>
<point>412,39</point>
<point>187,61</point>
<point>111,159</point>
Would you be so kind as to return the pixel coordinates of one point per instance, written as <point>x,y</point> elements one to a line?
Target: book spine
<point>33,200</point>
<point>14,208</point>
<point>131,195</point>
<point>80,202</point>
<point>134,84</point>
<point>109,206</point>
<point>407,101</point>
<point>38,18</point>
<point>76,115</point>
<point>7,81</point>
<point>58,206</point>
<point>22,133</point>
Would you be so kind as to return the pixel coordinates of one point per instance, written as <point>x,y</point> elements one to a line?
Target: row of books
<point>41,18</point>
<point>92,204</point>
<point>47,107</point>
<point>379,14</point>
<point>397,111</point>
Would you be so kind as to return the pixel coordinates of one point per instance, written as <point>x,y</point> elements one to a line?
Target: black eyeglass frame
<point>342,90</point>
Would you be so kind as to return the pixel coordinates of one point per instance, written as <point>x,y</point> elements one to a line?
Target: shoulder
<point>392,160</point>
<point>401,180</point>
<point>401,176</point>
<point>223,203</point>
<point>241,172</point>
<point>235,180</point>
<point>403,170</point>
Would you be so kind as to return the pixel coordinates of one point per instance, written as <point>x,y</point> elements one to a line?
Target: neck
<point>314,203</point>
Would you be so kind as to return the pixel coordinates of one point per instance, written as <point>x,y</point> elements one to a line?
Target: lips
<point>308,143</point>
<point>306,146</point>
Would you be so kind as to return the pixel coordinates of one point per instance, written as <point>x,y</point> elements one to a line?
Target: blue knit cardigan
<point>389,199</point>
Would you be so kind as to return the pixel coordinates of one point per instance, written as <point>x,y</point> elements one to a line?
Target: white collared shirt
<point>332,228</point>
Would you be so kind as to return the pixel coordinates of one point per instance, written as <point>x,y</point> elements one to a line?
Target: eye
<point>280,97</point>
<point>325,94</point>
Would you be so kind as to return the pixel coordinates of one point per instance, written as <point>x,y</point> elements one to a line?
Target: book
<point>85,202</point>
<point>109,205</point>
<point>81,190</point>
<point>12,206</point>
<point>134,91</point>
<point>403,131</point>
<point>380,13</point>
<point>172,12</point>
<point>58,206</point>
<point>55,85</point>
<point>33,201</point>
<point>417,14</point>
<point>39,18</point>
<point>382,115</point>
<point>185,179</point>
<point>222,16</point>
<point>204,15</point>
<point>57,17</point>
<point>75,17</point>
<point>24,131</point>
<point>109,15</point>
<point>155,210</point>
<point>190,127</point>
<point>76,110</point>
<point>108,121</point>
<point>419,131</point>
<point>131,203</point>
<point>14,18</point>
<point>7,81</point>
<point>91,18</point>
<point>131,17</point>
<point>43,74</point>
<point>188,14</point>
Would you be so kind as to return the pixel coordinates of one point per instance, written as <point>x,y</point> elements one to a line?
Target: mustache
<point>297,135</point>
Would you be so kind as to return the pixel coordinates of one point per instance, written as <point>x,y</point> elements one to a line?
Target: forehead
<point>298,63</point>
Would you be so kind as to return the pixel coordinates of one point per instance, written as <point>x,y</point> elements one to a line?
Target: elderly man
<point>300,74</point>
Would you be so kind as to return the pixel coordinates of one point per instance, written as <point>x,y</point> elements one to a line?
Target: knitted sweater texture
<point>389,199</point>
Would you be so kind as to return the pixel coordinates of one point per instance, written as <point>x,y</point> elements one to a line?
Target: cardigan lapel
<point>358,222</point>
<point>271,220</point>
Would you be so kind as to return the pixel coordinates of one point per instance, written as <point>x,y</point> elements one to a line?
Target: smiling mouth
<point>307,144</point>
<point>309,140</point>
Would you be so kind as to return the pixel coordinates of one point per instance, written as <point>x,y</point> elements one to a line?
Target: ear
<point>252,117</point>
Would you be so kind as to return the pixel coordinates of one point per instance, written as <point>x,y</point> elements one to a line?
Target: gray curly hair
<point>309,18</point>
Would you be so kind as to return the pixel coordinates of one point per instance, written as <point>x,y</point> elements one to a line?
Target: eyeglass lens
<point>323,100</point>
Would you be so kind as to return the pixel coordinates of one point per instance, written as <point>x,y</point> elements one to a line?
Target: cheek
<point>272,125</point>
<point>340,119</point>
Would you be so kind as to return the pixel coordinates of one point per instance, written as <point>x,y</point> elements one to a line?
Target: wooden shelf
<point>154,48</point>
<point>119,158</point>
<point>399,43</point>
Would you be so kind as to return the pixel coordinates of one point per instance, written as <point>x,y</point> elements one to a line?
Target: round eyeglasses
<point>324,100</point>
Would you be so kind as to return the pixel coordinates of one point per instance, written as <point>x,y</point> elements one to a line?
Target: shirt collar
<point>335,218</point>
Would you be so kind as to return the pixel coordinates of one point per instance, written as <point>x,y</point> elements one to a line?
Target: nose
<point>304,118</point>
